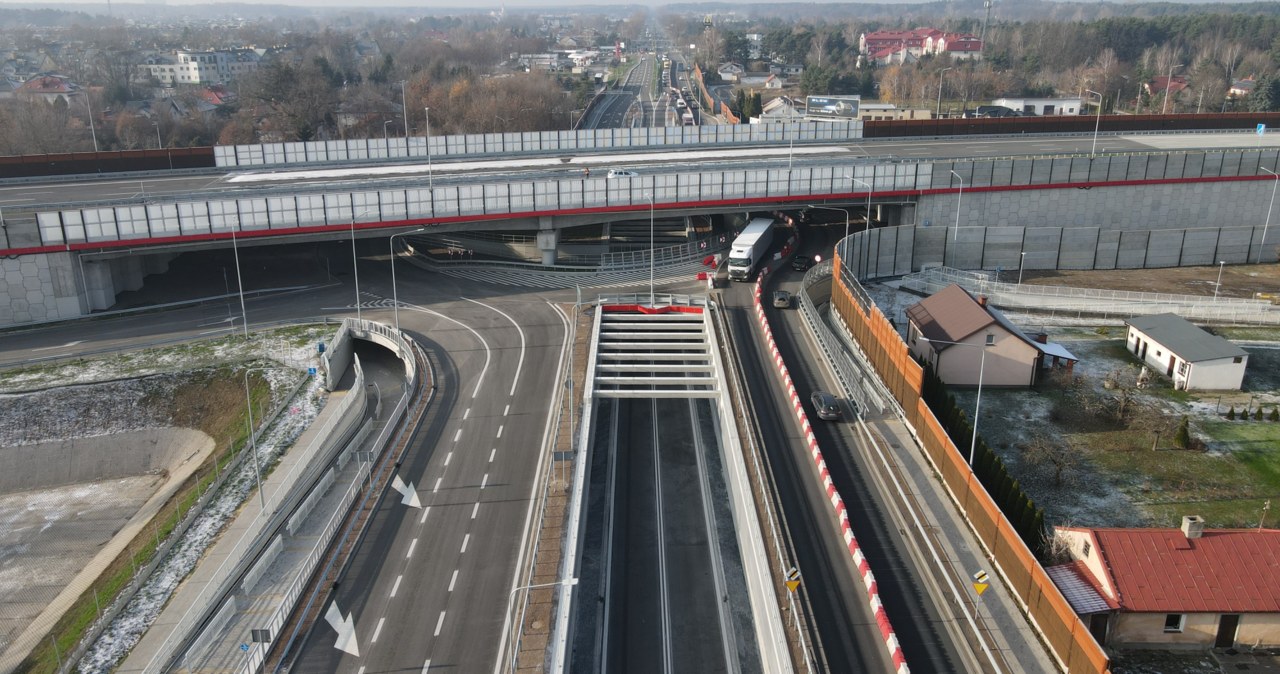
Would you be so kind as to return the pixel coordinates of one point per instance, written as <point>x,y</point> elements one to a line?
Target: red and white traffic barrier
<point>837,503</point>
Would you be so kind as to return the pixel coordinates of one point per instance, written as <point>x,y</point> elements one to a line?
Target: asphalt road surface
<point>429,587</point>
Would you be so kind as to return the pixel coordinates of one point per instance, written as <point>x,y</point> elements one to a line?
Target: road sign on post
<point>980,583</point>
<point>793,579</point>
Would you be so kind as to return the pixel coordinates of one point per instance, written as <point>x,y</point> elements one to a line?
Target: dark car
<point>801,262</point>
<point>825,405</point>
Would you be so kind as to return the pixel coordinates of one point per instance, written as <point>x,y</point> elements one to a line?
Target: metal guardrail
<point>853,380</point>
<point>659,299</point>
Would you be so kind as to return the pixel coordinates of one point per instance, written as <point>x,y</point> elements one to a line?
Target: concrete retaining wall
<point>63,462</point>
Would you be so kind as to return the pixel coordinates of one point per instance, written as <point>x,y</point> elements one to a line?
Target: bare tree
<point>1049,453</point>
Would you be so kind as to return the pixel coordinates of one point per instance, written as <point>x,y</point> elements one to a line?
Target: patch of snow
<point>127,629</point>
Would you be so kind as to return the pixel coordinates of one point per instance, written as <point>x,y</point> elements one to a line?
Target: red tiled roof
<point>1159,84</point>
<point>1223,571</point>
<point>47,84</point>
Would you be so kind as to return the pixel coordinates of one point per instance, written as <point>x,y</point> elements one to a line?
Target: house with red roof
<point>1157,85</point>
<point>1191,587</point>
<point>49,88</point>
<point>904,46</point>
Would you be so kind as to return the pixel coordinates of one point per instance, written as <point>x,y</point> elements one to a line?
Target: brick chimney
<point>982,301</point>
<point>1042,337</point>
<point>1192,526</point>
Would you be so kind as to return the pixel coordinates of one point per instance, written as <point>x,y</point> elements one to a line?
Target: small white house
<point>1043,106</point>
<point>1193,358</point>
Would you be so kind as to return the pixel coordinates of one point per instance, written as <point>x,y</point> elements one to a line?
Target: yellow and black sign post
<point>793,579</point>
<point>980,583</point>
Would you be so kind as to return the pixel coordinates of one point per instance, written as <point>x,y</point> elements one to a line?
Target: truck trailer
<point>750,248</point>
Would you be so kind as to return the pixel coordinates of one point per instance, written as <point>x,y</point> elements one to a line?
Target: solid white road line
<point>453,580</point>
<point>488,355</point>
<point>475,509</point>
<point>423,519</point>
<point>493,453</point>
<point>377,630</point>
<point>465,539</point>
<point>519,363</point>
<point>396,586</point>
<point>439,624</point>
<point>412,544</point>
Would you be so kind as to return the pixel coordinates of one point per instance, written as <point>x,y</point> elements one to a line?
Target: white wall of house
<point>1147,629</point>
<point>1211,375</point>
<point>1009,360</point>
<point>1214,375</point>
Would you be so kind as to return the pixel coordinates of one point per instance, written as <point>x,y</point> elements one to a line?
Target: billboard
<point>832,107</point>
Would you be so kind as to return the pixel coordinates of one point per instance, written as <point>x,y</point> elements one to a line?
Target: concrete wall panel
<point>1199,246</point>
<point>1078,248</point>
<point>1164,248</point>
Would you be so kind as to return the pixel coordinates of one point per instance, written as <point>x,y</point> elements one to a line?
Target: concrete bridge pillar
<point>99,284</point>
<point>548,239</point>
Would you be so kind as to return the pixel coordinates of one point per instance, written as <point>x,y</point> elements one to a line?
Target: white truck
<point>750,248</point>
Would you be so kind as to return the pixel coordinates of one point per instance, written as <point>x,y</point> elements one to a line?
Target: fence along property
<point>1067,637</point>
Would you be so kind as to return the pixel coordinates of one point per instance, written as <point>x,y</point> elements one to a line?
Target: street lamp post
<point>355,260</point>
<point>977,406</point>
<point>511,597</point>
<point>955,232</point>
<point>1022,259</point>
<point>93,131</point>
<point>1096,124</point>
<point>404,107</point>
<point>395,296</point>
<point>837,208</point>
<point>1168,84</point>
<point>938,113</point>
<point>652,249</point>
<point>253,441</point>
<point>235,249</point>
<point>384,131</point>
<point>1262,244</point>
<point>1217,286</point>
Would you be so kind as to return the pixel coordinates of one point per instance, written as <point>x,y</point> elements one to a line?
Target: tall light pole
<point>938,112</point>
<point>977,406</point>
<point>653,249</point>
<point>1096,124</point>
<point>395,296</point>
<point>404,107</point>
<point>955,232</point>
<point>253,442</point>
<point>430,183</point>
<point>92,129</point>
<point>235,249</point>
<point>355,261</point>
<point>1217,286</point>
<point>511,597</point>
<point>1262,244</point>
<point>1022,259</point>
<point>1168,84</point>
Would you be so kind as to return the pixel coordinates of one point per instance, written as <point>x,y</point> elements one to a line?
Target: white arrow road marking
<point>406,490</point>
<point>346,629</point>
<point>64,346</point>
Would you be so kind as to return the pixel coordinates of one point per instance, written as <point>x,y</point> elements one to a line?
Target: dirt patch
<point>1241,281</point>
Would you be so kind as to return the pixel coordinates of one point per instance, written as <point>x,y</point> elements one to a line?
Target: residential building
<point>1189,588</point>
<point>888,46</point>
<point>950,329</point>
<point>879,111</point>
<point>1157,85</point>
<point>1043,106</point>
<point>1242,88</point>
<point>202,67</point>
<point>729,72</point>
<point>1193,358</point>
<point>780,109</point>
<point>49,88</point>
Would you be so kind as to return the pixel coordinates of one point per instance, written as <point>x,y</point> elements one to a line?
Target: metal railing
<point>854,381</point>
<point>1093,302</point>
